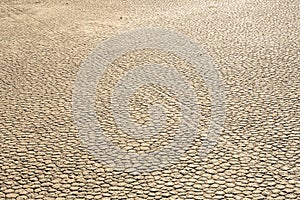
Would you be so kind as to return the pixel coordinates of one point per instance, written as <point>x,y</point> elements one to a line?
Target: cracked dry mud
<point>255,44</point>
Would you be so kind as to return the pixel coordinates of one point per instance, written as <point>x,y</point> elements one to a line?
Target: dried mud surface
<point>256,45</point>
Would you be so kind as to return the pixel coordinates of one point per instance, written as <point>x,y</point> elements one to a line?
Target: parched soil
<point>254,43</point>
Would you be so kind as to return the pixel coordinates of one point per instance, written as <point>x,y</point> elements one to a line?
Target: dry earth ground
<point>256,45</point>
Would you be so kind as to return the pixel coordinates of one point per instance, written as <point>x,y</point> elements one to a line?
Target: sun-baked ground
<point>255,45</point>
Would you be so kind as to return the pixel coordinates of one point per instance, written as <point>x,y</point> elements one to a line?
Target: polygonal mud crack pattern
<point>147,95</point>
<point>256,45</point>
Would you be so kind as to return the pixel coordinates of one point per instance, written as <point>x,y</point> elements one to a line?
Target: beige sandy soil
<point>256,45</point>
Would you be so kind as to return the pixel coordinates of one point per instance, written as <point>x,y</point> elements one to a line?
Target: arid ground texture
<point>255,45</point>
